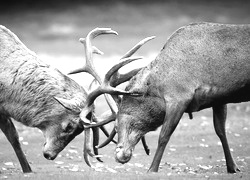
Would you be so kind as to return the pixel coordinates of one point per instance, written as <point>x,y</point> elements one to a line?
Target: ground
<point>194,151</point>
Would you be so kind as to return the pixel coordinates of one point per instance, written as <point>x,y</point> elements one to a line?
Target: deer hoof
<point>233,170</point>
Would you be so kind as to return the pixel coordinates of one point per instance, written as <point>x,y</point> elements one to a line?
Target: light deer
<point>38,95</point>
<point>202,65</point>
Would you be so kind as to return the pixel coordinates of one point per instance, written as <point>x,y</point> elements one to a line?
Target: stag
<point>202,65</point>
<point>38,95</point>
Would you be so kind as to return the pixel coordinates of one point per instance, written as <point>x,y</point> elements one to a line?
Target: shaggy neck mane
<point>28,87</point>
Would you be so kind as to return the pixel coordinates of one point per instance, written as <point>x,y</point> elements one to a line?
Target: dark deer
<point>202,65</point>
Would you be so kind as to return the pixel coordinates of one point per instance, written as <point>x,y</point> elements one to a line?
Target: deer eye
<point>68,128</point>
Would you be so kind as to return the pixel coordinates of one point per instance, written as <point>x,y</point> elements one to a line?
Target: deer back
<point>207,60</point>
<point>28,85</point>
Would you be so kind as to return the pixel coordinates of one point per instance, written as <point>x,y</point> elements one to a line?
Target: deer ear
<point>69,104</point>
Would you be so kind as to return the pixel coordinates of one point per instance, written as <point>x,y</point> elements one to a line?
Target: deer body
<point>28,92</point>
<point>202,65</point>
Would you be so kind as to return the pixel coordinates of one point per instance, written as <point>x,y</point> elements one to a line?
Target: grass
<point>193,151</point>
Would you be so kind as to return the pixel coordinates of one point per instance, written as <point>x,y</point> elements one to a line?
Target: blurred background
<point>52,29</point>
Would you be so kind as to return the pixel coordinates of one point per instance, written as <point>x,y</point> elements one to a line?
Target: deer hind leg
<point>219,118</point>
<point>10,132</point>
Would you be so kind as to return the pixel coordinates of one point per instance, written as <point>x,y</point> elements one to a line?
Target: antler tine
<point>88,67</point>
<point>87,144</point>
<point>89,50</point>
<point>96,142</point>
<point>144,143</point>
<point>137,46</point>
<point>97,51</point>
<point>107,141</point>
<point>118,78</point>
<point>116,67</point>
<point>87,147</point>
<point>107,120</point>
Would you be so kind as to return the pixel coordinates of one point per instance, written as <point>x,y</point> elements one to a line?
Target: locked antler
<point>89,68</point>
<point>114,78</point>
<point>106,86</point>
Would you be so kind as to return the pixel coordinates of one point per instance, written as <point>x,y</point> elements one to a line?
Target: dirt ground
<point>194,151</point>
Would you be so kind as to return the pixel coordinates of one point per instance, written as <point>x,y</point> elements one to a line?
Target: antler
<point>105,87</point>
<point>118,78</point>
<point>89,50</point>
<point>113,78</point>
<point>89,68</point>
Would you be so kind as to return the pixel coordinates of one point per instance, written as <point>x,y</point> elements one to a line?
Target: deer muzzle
<point>123,155</point>
<point>49,153</point>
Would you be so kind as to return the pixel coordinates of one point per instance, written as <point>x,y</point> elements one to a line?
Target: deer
<point>40,96</point>
<point>36,95</point>
<point>202,65</point>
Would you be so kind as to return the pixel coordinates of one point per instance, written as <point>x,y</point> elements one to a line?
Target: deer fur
<point>37,95</point>
<point>202,65</point>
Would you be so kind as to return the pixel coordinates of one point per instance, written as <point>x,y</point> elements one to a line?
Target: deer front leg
<point>219,118</point>
<point>10,132</point>
<point>172,118</point>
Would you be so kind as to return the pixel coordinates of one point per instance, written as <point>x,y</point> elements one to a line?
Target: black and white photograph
<point>125,90</point>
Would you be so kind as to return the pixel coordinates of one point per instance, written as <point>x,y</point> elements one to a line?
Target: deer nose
<point>123,155</point>
<point>48,155</point>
